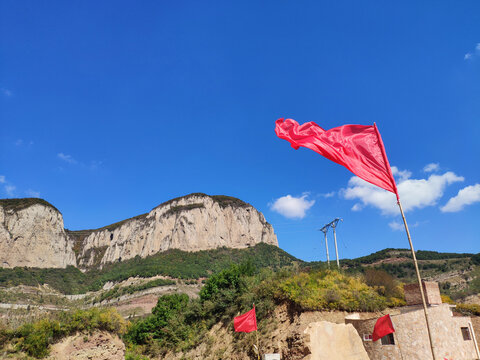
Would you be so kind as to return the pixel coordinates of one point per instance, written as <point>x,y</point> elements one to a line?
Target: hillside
<point>458,274</point>
<point>172,263</point>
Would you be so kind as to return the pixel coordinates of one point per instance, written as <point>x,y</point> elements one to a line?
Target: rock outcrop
<point>32,232</point>
<point>191,223</point>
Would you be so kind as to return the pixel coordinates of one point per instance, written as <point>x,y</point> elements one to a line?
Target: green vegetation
<point>118,291</point>
<point>172,263</point>
<point>35,338</point>
<point>179,323</point>
<point>225,201</point>
<point>468,309</point>
<point>180,208</point>
<point>222,200</point>
<point>20,204</point>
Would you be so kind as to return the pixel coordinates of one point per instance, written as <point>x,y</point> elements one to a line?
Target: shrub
<point>330,290</point>
<point>35,338</point>
<point>468,309</point>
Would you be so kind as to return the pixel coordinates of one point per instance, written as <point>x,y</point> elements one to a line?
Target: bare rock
<point>33,236</point>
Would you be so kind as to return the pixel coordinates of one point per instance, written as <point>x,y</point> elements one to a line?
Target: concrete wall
<point>430,289</point>
<point>411,337</point>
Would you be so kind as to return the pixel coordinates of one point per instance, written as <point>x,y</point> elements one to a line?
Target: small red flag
<point>357,147</point>
<point>246,322</point>
<point>383,327</point>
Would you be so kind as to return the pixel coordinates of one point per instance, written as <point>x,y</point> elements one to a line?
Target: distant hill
<point>458,274</point>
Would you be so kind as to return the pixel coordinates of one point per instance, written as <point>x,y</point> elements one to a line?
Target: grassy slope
<point>173,263</point>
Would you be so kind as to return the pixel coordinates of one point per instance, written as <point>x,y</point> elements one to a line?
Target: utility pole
<point>325,230</point>
<point>333,224</point>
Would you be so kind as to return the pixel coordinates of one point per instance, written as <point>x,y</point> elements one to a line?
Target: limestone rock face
<point>33,236</point>
<point>190,223</point>
<point>32,232</point>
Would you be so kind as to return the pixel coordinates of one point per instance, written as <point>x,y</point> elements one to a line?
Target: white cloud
<point>2,179</point>
<point>396,225</point>
<point>470,55</point>
<point>466,196</point>
<point>292,207</point>
<point>32,193</point>
<point>329,195</point>
<point>402,175</point>
<point>431,167</point>
<point>357,207</point>
<point>10,190</point>
<point>414,193</point>
<point>67,158</point>
<point>399,226</point>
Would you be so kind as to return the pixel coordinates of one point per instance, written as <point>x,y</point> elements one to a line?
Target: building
<point>452,336</point>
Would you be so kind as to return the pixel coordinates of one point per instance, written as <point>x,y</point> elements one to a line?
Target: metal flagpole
<point>420,285</point>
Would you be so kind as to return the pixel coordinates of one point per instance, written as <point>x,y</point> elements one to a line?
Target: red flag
<point>246,322</point>
<point>382,327</point>
<point>357,147</point>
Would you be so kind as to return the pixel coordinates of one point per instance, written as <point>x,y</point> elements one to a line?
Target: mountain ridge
<point>192,222</point>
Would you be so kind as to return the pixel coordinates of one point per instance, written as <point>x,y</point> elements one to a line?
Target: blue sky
<point>110,108</point>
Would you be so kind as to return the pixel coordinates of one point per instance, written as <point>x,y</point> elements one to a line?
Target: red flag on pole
<point>246,322</point>
<point>383,327</point>
<point>357,147</point>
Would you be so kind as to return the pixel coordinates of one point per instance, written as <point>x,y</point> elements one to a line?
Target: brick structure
<point>430,289</point>
<point>451,338</point>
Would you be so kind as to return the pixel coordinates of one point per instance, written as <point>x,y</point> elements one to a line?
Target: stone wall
<point>411,337</point>
<point>430,289</point>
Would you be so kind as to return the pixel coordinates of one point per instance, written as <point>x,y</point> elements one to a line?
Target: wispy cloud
<point>431,167</point>
<point>466,196</point>
<point>472,54</point>
<point>398,226</point>
<point>67,158</point>
<point>10,190</point>
<point>2,179</point>
<point>22,142</point>
<point>329,194</point>
<point>32,193</point>
<point>292,207</point>
<point>415,193</point>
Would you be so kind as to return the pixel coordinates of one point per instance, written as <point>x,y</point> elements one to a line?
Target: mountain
<point>32,233</point>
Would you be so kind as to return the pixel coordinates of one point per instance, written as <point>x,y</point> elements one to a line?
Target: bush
<point>468,309</point>
<point>35,338</point>
<point>330,290</point>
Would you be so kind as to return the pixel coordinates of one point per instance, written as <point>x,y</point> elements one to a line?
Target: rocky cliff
<point>190,223</point>
<point>33,235</point>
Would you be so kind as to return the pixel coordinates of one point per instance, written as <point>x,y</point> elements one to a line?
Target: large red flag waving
<point>383,327</point>
<point>246,322</point>
<point>357,147</point>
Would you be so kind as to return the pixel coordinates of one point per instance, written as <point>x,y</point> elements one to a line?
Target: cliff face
<point>32,234</point>
<point>191,223</point>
